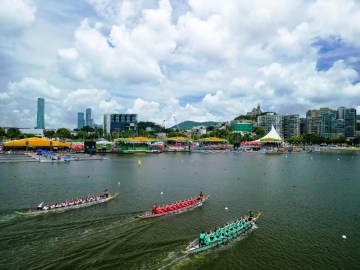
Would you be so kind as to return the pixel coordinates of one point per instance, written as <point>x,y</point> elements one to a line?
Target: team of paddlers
<point>177,205</point>
<point>73,202</point>
<point>227,231</point>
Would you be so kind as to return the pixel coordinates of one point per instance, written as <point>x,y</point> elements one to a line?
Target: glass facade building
<point>328,123</point>
<point>350,122</point>
<point>88,117</point>
<point>291,126</point>
<point>40,119</point>
<point>81,121</point>
<point>115,123</point>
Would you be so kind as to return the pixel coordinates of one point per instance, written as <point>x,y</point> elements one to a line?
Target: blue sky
<point>192,59</point>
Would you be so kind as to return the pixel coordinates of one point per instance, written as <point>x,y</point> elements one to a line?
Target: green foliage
<point>188,125</point>
<point>63,133</point>
<point>356,140</point>
<point>49,133</point>
<point>2,132</point>
<point>13,133</point>
<point>260,132</point>
<point>26,135</point>
<point>246,117</point>
<point>175,133</point>
<point>314,139</point>
<point>249,117</point>
<point>155,127</point>
<point>88,129</point>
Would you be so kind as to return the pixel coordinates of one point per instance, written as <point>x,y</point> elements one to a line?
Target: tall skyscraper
<point>314,120</point>
<point>81,120</point>
<point>291,126</point>
<point>341,113</point>
<point>328,123</point>
<point>40,119</point>
<point>88,117</point>
<point>350,122</point>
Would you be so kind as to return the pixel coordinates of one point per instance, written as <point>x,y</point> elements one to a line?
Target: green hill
<point>186,125</point>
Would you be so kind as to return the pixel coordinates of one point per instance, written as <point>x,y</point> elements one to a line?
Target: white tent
<point>272,136</point>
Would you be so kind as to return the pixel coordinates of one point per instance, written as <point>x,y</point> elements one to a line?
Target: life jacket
<point>154,207</point>
<point>158,211</point>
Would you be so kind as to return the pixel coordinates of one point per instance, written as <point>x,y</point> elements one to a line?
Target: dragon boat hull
<point>67,208</point>
<point>175,212</point>
<point>194,247</point>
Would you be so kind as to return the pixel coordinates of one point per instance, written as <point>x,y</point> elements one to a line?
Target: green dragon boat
<point>194,246</point>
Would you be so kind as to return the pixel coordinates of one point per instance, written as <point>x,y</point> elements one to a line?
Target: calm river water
<point>309,202</point>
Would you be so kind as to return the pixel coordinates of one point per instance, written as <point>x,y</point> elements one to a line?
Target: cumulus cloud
<point>133,56</point>
<point>16,15</point>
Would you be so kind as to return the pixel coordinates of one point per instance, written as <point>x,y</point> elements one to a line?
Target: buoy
<point>238,178</point>
<point>119,183</point>
<point>294,186</point>
<point>139,163</point>
<point>344,236</point>
<point>161,193</point>
<point>88,176</point>
<point>226,208</point>
<point>264,173</point>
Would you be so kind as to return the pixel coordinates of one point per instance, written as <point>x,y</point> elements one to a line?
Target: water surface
<point>308,201</point>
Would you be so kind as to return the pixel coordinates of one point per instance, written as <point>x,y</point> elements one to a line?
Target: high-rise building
<point>302,126</point>
<point>114,123</point>
<point>40,119</point>
<point>340,128</point>
<point>313,121</point>
<point>81,121</point>
<point>291,125</point>
<point>341,113</point>
<point>328,123</point>
<point>271,119</point>
<point>350,122</point>
<point>88,117</point>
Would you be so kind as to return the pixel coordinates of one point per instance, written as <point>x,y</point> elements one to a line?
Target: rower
<point>201,239</point>
<point>201,195</point>
<point>40,206</point>
<point>251,214</point>
<point>106,193</point>
<point>154,209</point>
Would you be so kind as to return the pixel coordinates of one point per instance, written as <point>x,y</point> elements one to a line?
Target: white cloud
<point>33,87</point>
<point>214,61</point>
<point>16,15</point>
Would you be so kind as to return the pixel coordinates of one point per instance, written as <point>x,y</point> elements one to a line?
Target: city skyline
<point>190,59</point>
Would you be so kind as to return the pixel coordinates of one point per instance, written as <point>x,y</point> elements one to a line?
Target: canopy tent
<point>35,143</point>
<point>137,140</point>
<point>213,139</point>
<point>177,139</point>
<point>255,143</point>
<point>272,136</point>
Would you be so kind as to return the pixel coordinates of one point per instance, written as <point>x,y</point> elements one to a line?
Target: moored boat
<point>233,233</point>
<point>35,212</point>
<point>199,203</point>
